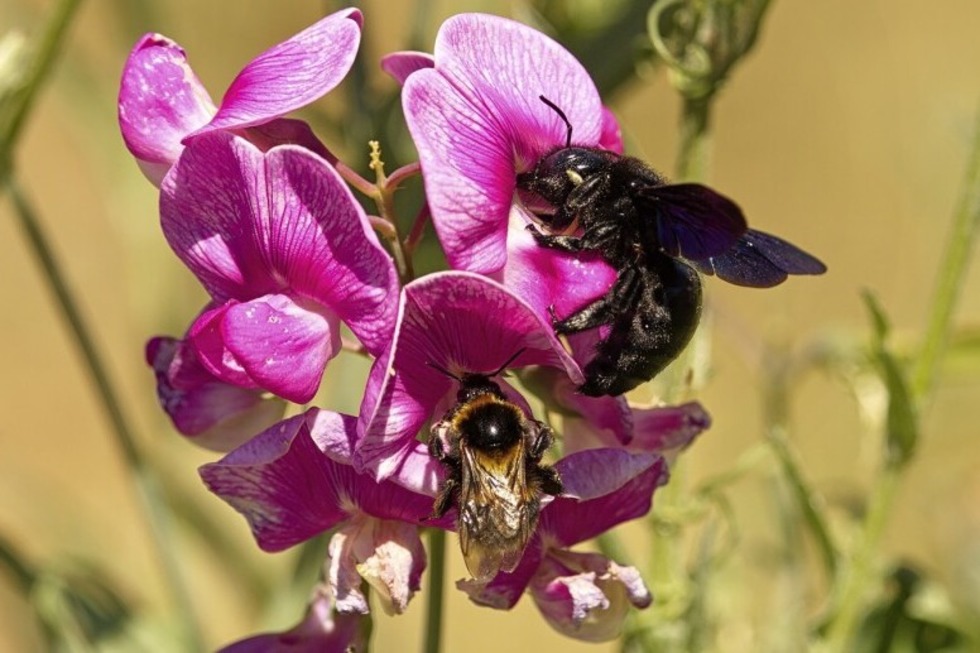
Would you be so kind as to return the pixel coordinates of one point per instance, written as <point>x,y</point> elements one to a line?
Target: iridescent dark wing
<point>760,260</point>
<point>692,221</point>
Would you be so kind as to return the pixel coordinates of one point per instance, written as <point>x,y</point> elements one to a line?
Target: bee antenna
<point>509,361</point>
<point>438,368</point>
<point>564,118</point>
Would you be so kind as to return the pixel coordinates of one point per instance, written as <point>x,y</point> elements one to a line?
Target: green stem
<point>956,258</point>
<point>692,157</point>
<point>434,604</point>
<point>38,69</point>
<point>857,580</point>
<point>20,570</point>
<point>143,476</point>
<point>776,419</point>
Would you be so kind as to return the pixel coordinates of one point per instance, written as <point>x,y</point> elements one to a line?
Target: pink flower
<point>473,111</point>
<point>463,323</point>
<point>295,480</point>
<point>162,104</point>
<point>286,253</point>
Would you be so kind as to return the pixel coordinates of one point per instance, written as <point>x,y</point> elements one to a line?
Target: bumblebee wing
<point>692,221</point>
<point>760,260</point>
<point>497,511</point>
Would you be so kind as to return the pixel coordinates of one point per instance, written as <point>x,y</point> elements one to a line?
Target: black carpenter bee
<point>655,234</point>
<point>493,453</point>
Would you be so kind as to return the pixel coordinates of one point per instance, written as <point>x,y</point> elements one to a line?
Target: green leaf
<point>901,426</point>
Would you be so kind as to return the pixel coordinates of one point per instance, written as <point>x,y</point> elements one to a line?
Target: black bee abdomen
<point>492,426</point>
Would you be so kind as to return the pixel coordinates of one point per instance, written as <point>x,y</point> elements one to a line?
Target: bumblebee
<point>492,452</point>
<point>656,235</point>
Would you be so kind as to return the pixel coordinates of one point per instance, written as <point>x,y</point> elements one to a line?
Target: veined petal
<point>611,137</point>
<point>462,322</point>
<point>467,168</point>
<point>287,131</point>
<point>283,347</point>
<point>249,223</point>
<point>214,414</point>
<point>603,488</point>
<point>402,64</point>
<point>289,489</point>
<point>477,121</point>
<point>160,101</point>
<point>320,241</point>
<point>291,74</point>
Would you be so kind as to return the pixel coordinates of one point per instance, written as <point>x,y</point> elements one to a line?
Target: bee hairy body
<point>492,452</point>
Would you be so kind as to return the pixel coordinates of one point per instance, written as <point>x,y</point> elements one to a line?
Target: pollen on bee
<point>575,177</point>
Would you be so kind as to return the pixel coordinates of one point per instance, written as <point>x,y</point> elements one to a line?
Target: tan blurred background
<point>846,132</point>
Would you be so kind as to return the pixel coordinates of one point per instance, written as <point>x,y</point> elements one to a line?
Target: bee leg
<point>549,480</point>
<point>540,441</point>
<point>446,498</point>
<point>562,243</point>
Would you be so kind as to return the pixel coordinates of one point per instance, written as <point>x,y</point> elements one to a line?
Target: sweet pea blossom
<point>286,253</point>
<point>473,111</point>
<point>295,480</point>
<point>582,595</point>
<point>477,122</point>
<point>214,414</point>
<point>162,103</point>
<point>460,322</point>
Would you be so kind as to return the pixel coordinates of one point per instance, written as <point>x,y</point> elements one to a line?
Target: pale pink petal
<point>586,596</point>
<point>389,555</point>
<point>291,74</point>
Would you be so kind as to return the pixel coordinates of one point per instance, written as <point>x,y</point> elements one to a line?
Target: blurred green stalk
<point>841,631</point>
<point>435,603</point>
<point>13,115</point>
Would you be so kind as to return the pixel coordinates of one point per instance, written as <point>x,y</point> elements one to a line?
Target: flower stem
<point>850,602</point>
<point>695,146</point>
<point>143,476</point>
<point>434,603</point>
<point>956,258</point>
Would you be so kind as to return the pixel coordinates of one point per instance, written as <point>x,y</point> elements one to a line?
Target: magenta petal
<point>462,322</point>
<point>611,137</point>
<point>320,241</point>
<point>283,347</point>
<point>547,278</point>
<point>468,170</point>
<point>207,337</point>
<point>289,487</point>
<point>279,481</point>
<point>291,74</point>
<point>587,596</point>
<point>402,64</point>
<point>603,488</point>
<point>216,415</point>
<point>160,101</point>
<point>287,131</point>
<point>664,428</point>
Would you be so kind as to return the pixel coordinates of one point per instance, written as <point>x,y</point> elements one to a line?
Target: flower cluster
<point>262,213</point>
